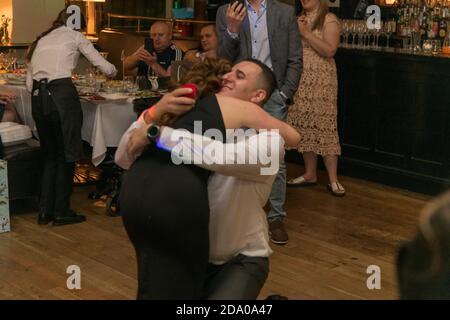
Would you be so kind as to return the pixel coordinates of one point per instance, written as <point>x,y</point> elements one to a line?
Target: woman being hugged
<point>314,113</point>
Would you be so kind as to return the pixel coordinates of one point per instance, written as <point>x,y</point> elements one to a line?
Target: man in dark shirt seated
<point>157,53</point>
<point>208,48</point>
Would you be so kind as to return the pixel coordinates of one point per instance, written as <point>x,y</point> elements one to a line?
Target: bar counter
<point>394,118</point>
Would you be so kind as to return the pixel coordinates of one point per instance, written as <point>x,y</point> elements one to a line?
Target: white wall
<point>30,17</point>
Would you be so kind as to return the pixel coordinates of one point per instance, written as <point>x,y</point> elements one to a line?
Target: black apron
<point>62,95</point>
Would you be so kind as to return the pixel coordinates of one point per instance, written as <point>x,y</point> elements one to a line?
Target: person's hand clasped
<point>174,102</point>
<point>304,27</point>
<point>147,57</point>
<point>236,13</point>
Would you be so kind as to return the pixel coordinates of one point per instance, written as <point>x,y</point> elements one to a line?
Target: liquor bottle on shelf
<point>446,44</point>
<point>443,25</point>
<point>424,20</point>
<point>400,17</point>
<point>176,4</point>
<point>433,22</point>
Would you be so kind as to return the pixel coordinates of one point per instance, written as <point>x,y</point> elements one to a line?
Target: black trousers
<point>57,177</point>
<point>241,278</point>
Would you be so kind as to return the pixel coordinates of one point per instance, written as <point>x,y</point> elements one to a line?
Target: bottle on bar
<point>424,20</point>
<point>446,44</point>
<point>176,4</point>
<point>443,24</point>
<point>436,18</point>
<point>400,17</point>
<point>433,23</point>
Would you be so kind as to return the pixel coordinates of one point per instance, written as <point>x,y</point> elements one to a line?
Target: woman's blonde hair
<point>320,19</point>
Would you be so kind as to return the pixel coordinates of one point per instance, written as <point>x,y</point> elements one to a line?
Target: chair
<point>24,165</point>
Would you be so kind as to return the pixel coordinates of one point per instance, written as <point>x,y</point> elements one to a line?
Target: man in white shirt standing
<point>239,240</point>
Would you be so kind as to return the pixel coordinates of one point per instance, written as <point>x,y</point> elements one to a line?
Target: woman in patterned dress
<point>314,113</point>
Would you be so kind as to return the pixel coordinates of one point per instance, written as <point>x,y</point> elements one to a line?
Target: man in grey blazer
<point>266,30</point>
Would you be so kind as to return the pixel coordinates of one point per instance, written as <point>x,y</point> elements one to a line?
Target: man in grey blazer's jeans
<point>266,30</point>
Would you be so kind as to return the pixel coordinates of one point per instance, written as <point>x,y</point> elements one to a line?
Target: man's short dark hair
<point>209,25</point>
<point>267,80</point>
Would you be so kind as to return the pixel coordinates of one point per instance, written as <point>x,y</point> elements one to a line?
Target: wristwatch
<point>285,98</point>
<point>153,133</point>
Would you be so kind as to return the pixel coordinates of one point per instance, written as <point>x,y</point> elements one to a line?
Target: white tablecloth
<point>103,123</point>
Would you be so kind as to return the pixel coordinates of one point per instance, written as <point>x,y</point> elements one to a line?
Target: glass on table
<point>153,78</point>
<point>416,41</point>
<point>7,61</point>
<point>436,47</point>
<point>427,46</point>
<point>91,83</point>
<point>129,85</point>
<point>143,83</point>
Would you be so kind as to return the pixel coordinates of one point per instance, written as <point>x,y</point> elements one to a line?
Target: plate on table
<point>114,97</point>
<point>94,98</point>
<point>147,94</point>
<point>84,91</point>
<point>15,79</point>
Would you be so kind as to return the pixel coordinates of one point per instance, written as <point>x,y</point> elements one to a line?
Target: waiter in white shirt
<point>239,239</point>
<point>56,109</point>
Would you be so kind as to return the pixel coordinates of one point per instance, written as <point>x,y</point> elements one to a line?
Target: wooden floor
<point>332,242</point>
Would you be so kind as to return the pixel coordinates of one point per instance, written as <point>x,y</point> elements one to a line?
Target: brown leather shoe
<point>277,232</point>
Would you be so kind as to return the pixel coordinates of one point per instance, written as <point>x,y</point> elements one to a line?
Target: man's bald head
<point>161,33</point>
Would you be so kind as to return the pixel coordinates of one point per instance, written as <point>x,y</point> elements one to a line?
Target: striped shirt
<point>259,33</point>
<point>165,58</point>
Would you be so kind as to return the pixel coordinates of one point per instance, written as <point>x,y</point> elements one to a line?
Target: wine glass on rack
<point>122,59</point>
<point>352,30</point>
<point>345,32</point>
<point>389,28</point>
<point>369,34</point>
<point>378,33</point>
<point>361,34</point>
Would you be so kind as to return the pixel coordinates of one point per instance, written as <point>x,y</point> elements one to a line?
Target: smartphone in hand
<point>240,1</point>
<point>148,45</point>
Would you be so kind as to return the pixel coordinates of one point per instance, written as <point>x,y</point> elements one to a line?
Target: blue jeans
<point>276,107</point>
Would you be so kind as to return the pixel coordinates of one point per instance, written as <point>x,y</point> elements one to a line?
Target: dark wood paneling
<point>394,118</point>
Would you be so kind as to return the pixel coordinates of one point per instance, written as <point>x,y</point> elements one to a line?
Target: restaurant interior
<point>381,241</point>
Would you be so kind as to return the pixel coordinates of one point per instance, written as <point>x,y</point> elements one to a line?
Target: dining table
<point>104,121</point>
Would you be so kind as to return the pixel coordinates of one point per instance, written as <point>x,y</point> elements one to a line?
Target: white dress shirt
<point>237,194</point>
<point>56,56</point>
